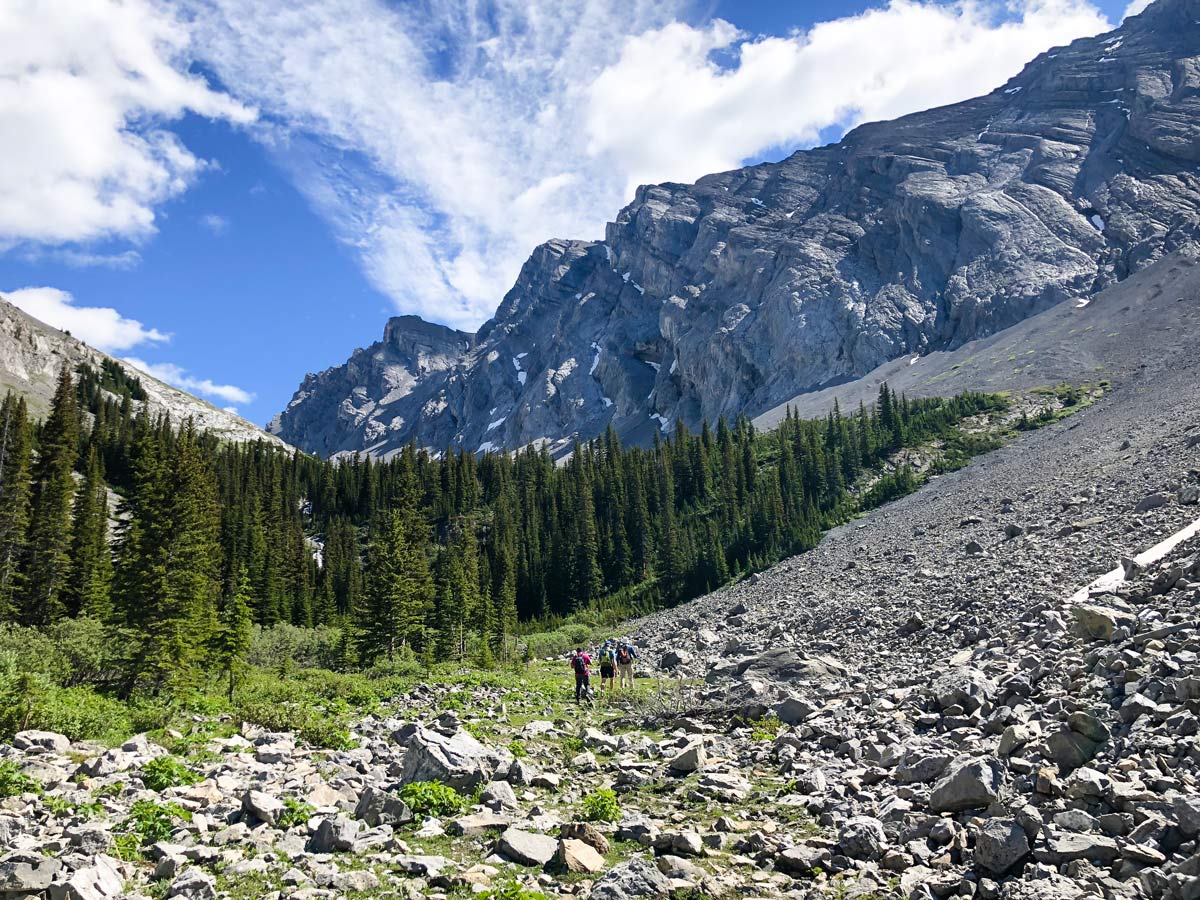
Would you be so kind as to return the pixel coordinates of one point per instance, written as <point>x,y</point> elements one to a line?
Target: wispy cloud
<point>100,326</point>
<point>218,225</point>
<point>443,140</point>
<point>182,379</point>
<point>86,90</point>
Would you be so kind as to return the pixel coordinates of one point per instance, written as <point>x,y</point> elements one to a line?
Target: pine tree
<point>47,562</point>
<point>90,580</point>
<point>169,573</point>
<point>15,462</point>
<point>398,590</point>
<point>231,640</point>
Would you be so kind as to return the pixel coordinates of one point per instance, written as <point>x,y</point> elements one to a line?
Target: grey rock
<point>24,871</point>
<point>98,881</point>
<point>690,759</point>
<point>634,878</point>
<point>1000,845</point>
<point>741,291</point>
<point>336,834</point>
<point>262,806</point>
<point>499,793</point>
<point>527,848</point>
<point>967,784</point>
<point>193,884</point>
<point>479,823</point>
<point>793,710</point>
<point>377,807</point>
<point>457,760</point>
<point>862,837</point>
<point>1187,813</point>
<point>41,740</point>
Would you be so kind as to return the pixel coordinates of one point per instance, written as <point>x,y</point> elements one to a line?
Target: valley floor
<point>917,708</point>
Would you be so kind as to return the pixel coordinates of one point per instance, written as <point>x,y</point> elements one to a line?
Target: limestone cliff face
<point>748,287</point>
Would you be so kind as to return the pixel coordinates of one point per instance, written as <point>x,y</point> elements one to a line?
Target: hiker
<point>626,654</point>
<point>581,665</point>
<point>608,666</point>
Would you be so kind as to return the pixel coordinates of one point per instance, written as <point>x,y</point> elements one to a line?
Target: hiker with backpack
<point>626,654</point>
<point>608,666</point>
<point>581,665</point>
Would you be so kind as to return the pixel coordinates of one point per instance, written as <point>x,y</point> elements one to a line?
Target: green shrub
<point>149,823</point>
<point>317,726</point>
<point>512,890</point>
<point>58,805</point>
<point>517,749</point>
<point>601,806</point>
<point>432,798</point>
<point>164,772</point>
<point>295,812</point>
<point>14,782</point>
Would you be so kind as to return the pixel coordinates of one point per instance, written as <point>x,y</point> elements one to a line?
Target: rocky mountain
<point>32,353</point>
<point>753,286</point>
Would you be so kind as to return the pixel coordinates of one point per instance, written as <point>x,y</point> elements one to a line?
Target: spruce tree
<point>231,640</point>
<point>15,462</point>
<point>90,580</point>
<point>47,562</point>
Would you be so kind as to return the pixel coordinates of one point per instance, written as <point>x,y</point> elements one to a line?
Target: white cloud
<point>444,142</point>
<point>218,225</point>
<point>86,90</point>
<point>665,110</point>
<point>1136,7</point>
<point>99,326</point>
<point>173,374</point>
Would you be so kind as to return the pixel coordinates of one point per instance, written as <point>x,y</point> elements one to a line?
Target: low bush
<point>432,798</point>
<point>295,812</point>
<point>601,806</point>
<point>14,782</point>
<point>164,772</point>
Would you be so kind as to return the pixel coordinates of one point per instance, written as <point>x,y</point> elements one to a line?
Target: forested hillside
<point>442,557</point>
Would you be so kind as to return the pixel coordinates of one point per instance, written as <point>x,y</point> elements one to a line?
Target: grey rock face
<point>749,287</point>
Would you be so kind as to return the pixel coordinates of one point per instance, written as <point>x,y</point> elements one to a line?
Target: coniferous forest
<point>174,545</point>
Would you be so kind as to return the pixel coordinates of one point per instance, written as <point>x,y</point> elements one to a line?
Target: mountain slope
<point>741,291</point>
<point>32,353</point>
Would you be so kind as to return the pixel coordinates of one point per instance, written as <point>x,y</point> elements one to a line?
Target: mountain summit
<point>749,287</point>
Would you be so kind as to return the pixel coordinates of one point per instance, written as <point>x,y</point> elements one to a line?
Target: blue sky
<point>275,179</point>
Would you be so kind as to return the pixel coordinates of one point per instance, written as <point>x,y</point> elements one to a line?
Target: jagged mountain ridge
<point>751,286</point>
<point>32,353</point>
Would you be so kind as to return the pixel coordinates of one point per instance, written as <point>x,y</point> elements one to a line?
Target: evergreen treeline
<point>438,556</point>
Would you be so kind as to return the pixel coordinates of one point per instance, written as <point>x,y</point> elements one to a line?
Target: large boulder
<point>690,759</point>
<point>789,664</point>
<point>26,872</point>
<point>576,856</point>
<point>101,880</point>
<point>527,848</point>
<point>635,878</point>
<point>1000,845</point>
<point>454,759</point>
<point>262,806</point>
<point>49,741</point>
<point>376,807</point>
<point>969,783</point>
<point>966,688</point>
<point>862,837</point>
